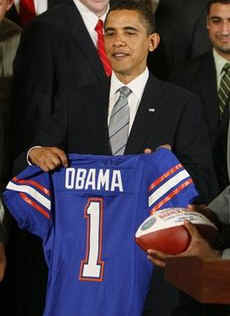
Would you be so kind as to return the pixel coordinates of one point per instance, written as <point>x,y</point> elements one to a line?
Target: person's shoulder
<point>190,64</point>
<point>57,16</point>
<point>9,29</point>
<point>186,71</point>
<point>169,89</point>
<point>174,95</point>
<point>53,24</point>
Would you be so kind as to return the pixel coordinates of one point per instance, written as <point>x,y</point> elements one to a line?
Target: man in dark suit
<point>54,68</point>
<point>140,137</point>
<point>57,56</point>
<point>180,24</point>
<point>203,77</point>
<point>165,114</point>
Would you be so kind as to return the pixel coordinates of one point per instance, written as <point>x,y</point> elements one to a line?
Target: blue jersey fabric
<point>87,216</point>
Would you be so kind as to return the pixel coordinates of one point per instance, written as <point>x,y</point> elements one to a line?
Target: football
<point>165,230</point>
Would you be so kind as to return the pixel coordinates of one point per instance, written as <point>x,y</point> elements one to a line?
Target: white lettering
<point>91,178</point>
<point>116,181</point>
<point>103,180</point>
<point>80,179</point>
<point>84,179</point>
<point>69,178</point>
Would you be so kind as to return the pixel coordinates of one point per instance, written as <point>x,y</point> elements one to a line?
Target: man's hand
<point>207,212</point>
<point>198,247</point>
<point>149,150</point>
<point>48,158</point>
<point>2,261</point>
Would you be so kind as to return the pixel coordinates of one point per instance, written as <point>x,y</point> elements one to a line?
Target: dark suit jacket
<point>199,76</point>
<point>174,118</point>
<point>64,58</point>
<point>182,28</point>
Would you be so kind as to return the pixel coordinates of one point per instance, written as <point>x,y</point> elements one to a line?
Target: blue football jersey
<point>87,216</point>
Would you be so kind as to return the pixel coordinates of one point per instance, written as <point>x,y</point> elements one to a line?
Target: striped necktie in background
<point>224,88</point>
<point>101,48</point>
<point>119,122</point>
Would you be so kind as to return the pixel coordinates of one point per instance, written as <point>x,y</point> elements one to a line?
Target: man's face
<point>127,43</point>
<point>96,6</point>
<point>4,6</point>
<point>218,25</point>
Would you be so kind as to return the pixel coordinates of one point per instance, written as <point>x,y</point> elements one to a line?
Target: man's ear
<point>154,41</point>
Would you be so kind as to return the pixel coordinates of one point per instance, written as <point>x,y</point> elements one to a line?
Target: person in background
<point>208,76</point>
<point>60,53</point>
<point>181,25</point>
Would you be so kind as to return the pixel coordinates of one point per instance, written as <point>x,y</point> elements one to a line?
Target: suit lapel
<point>83,40</point>
<point>146,116</point>
<point>207,79</point>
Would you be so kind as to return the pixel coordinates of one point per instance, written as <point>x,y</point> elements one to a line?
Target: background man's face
<point>127,42</point>
<point>96,6</point>
<point>4,6</point>
<point>218,25</point>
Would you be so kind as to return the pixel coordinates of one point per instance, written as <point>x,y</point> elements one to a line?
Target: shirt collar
<point>136,86</point>
<point>219,62</point>
<point>90,18</point>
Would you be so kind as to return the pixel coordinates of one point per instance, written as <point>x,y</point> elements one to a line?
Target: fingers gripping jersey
<point>87,216</point>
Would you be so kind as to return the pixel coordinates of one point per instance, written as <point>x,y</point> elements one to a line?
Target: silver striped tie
<point>119,122</point>
<point>224,89</point>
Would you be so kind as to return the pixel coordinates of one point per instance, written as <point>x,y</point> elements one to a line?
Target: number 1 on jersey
<point>92,267</point>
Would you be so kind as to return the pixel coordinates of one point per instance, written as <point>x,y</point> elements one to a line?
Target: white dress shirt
<point>39,5</point>
<point>136,86</point>
<point>90,19</point>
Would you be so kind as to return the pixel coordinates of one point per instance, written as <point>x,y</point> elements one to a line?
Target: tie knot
<point>99,26</point>
<point>125,91</point>
<point>226,67</point>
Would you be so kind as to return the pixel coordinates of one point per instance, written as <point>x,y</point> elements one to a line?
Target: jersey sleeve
<point>170,184</point>
<point>28,199</point>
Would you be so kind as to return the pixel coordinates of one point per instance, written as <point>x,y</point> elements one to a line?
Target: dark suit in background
<point>199,76</point>
<point>66,59</point>
<point>181,25</point>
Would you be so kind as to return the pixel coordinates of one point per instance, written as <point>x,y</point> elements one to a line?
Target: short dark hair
<point>211,2</point>
<point>143,7</point>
